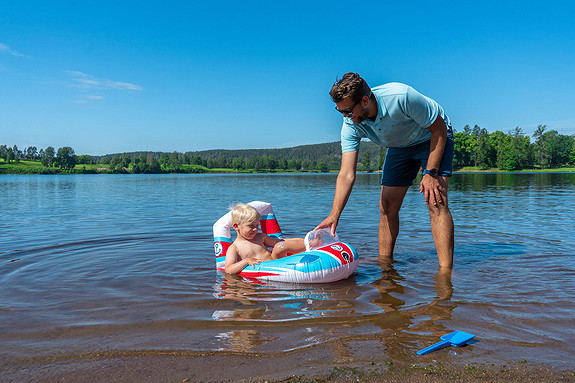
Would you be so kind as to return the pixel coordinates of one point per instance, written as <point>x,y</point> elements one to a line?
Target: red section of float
<point>270,226</point>
<point>258,274</point>
<point>341,251</point>
<point>221,248</point>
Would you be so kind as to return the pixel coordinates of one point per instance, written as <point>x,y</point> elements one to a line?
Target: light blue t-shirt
<point>402,119</point>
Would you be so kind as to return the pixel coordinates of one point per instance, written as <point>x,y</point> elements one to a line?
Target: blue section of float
<point>308,258</point>
<point>309,262</point>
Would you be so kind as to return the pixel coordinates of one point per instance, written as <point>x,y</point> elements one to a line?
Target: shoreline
<point>230,171</point>
<point>25,167</point>
<point>338,361</point>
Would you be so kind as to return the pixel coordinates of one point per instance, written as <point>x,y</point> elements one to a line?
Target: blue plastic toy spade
<point>456,338</point>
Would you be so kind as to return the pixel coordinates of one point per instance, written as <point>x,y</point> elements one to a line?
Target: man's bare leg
<point>442,228</point>
<point>390,202</point>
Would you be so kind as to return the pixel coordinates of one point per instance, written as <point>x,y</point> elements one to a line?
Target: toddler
<point>252,247</point>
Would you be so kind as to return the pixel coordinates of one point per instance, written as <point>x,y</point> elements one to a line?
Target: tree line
<point>474,147</point>
<point>514,151</point>
<point>319,157</point>
<point>65,158</point>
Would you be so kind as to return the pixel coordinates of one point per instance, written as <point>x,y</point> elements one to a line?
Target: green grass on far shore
<point>35,167</point>
<point>472,169</point>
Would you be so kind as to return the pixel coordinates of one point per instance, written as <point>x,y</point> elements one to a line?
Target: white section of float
<point>222,227</point>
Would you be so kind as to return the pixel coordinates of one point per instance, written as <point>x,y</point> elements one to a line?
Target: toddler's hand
<point>253,261</point>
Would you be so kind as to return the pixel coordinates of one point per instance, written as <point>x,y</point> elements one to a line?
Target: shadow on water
<point>422,318</point>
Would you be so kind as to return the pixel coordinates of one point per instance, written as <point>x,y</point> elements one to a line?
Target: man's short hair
<point>350,85</point>
<point>242,212</point>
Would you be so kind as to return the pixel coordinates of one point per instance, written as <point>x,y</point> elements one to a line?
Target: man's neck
<point>373,108</point>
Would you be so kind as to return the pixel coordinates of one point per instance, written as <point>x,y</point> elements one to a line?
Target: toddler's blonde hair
<point>242,212</point>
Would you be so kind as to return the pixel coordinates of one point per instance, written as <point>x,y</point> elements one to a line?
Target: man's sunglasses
<point>347,110</point>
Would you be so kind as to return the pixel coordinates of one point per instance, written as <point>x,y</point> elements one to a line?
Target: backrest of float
<point>223,235</point>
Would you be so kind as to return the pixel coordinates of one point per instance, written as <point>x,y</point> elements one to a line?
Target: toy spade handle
<point>434,347</point>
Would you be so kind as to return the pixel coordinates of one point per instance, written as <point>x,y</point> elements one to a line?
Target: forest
<point>514,151</point>
<point>474,148</point>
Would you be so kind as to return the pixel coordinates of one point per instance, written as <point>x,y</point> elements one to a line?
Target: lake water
<point>105,263</point>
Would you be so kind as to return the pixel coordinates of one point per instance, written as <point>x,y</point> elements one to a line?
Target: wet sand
<point>364,360</point>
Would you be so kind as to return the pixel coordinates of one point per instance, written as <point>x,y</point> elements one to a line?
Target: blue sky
<point>119,76</point>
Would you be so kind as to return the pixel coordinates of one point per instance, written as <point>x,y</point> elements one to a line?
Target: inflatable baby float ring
<point>325,259</point>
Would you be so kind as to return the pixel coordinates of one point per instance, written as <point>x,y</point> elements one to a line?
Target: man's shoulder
<point>391,89</point>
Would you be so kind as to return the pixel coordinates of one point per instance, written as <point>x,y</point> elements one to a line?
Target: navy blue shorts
<point>402,164</point>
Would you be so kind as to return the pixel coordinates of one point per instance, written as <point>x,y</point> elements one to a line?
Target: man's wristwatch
<point>433,172</point>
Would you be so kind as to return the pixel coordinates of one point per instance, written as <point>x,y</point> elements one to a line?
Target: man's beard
<point>364,114</point>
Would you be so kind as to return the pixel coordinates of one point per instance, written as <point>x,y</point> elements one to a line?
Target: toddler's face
<point>248,230</point>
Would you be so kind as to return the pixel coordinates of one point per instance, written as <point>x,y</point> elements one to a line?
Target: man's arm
<point>429,185</point>
<point>343,187</point>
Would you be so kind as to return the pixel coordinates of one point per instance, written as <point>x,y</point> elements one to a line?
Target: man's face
<point>354,110</point>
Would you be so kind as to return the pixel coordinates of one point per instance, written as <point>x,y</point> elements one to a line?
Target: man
<point>417,133</point>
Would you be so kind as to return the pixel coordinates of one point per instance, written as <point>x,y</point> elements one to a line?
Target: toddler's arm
<point>233,262</point>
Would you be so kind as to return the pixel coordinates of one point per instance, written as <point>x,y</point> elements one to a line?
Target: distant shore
<point>33,167</point>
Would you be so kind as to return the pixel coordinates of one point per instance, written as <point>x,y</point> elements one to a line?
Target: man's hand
<point>431,189</point>
<point>330,222</point>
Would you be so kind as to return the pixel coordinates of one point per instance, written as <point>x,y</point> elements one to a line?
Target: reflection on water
<point>294,301</point>
<point>100,263</point>
<point>277,302</point>
<point>389,283</point>
<point>243,340</point>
